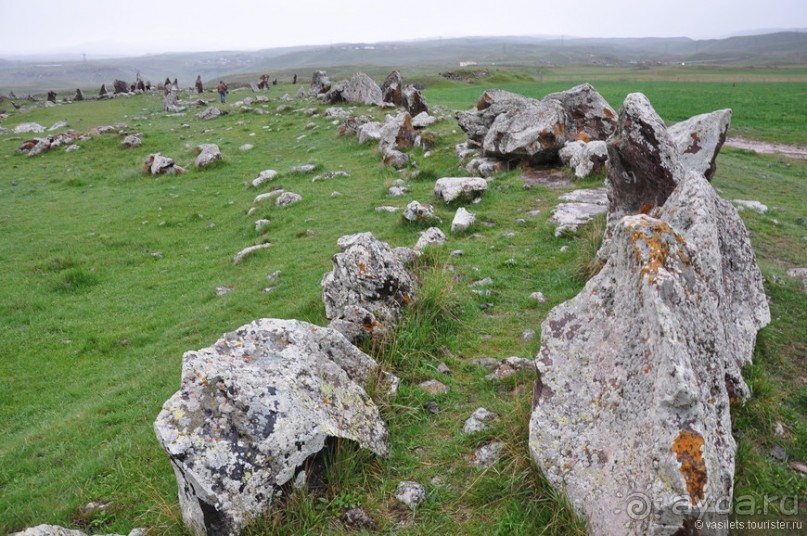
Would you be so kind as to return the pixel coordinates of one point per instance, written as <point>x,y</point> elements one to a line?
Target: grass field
<point>110,275</point>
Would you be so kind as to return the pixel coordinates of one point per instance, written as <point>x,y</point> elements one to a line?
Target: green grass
<point>110,275</point>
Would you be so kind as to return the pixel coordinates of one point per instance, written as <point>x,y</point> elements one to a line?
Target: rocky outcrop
<point>367,288</point>
<point>363,90</point>
<point>631,411</point>
<point>699,139</point>
<point>252,408</point>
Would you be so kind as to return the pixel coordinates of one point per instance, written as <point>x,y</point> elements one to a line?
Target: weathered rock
<point>700,138</point>
<point>434,387</point>
<point>209,113</point>
<point>432,236</point>
<point>209,154</point>
<point>799,273</point>
<point>568,217</point>
<point>269,195</point>
<point>241,255</point>
<point>367,288</point>
<point>288,198</point>
<point>484,167</point>
<point>328,175</point>
<point>397,133</point>
<point>411,494</point>
<point>423,120</point>
<point>103,93</point>
<point>637,371</point>
<point>449,189</point>
<point>157,164</point>
<point>120,87</point>
<point>362,89</point>
<point>589,116</point>
<point>369,131</point>
<point>304,168</point>
<point>487,455</point>
<point>79,96</point>
<point>584,158</point>
<point>320,83</point>
<point>751,204</point>
<point>131,141</point>
<point>462,220</point>
<point>643,162</point>
<point>391,89</point>
<point>335,94</point>
<point>413,101</point>
<point>592,196</point>
<point>253,408</point>
<point>395,158</point>
<point>357,518</point>
<point>530,130</point>
<point>24,128</point>
<point>478,421</point>
<point>417,212</point>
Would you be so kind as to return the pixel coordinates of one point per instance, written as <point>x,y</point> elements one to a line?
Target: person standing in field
<point>222,88</point>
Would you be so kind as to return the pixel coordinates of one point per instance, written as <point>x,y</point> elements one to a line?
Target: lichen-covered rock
<point>209,154</point>
<point>157,164</point>
<point>55,530</point>
<point>478,421</point>
<point>24,128</point>
<point>432,236</point>
<point>637,371</point>
<point>568,217</point>
<point>395,158</point>
<point>484,167</point>
<point>367,288</point>
<point>391,88</point>
<point>530,130</point>
<point>253,408</point>
<point>411,494</point>
<point>449,189</point>
<point>363,90</point>
<point>418,212</point>
<point>287,198</point>
<point>320,83</point>
<point>209,113</point>
<point>397,132</point>
<point>423,120</point>
<point>131,141</point>
<point>413,101</point>
<point>462,220</point>
<point>589,116</point>
<point>699,140</point>
<point>264,176</point>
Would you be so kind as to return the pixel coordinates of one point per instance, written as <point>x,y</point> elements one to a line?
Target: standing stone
<point>589,116</point>
<point>392,87</point>
<point>120,87</point>
<point>79,96</point>
<point>252,408</point>
<point>362,89</point>
<point>699,140</point>
<point>320,83</point>
<point>413,101</point>
<point>103,92</point>
<point>199,86</point>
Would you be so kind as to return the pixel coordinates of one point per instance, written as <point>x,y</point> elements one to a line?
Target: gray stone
<point>304,168</point>
<point>568,217</point>
<point>287,198</point>
<point>397,191</point>
<point>252,408</point>
<point>423,120</point>
<point>413,100</point>
<point>246,147</point>
<point>411,494</point>
<point>157,164</point>
<point>396,133</point>
<point>462,221</point>
<point>363,90</point>
<point>584,158</point>
<point>260,224</point>
<point>434,387</point>
<point>395,158</point>
<point>592,196</point>
<point>637,371</point>
<point>320,83</point>
<point>57,125</point>
<point>588,115</point>
<point>450,189</point>
<point>756,206</point>
<point>391,88</point>
<point>369,131</point>
<point>532,130</point>
<point>241,255</point>
<point>417,212</point>
<point>799,273</point>
<point>487,455</point>
<point>209,113</point>
<point>24,128</point>
<point>264,176</point>
<point>483,166</point>
<point>432,236</point>
<point>328,175</point>
<point>699,140</point>
<point>367,288</point>
<point>357,518</point>
<point>489,363</point>
<point>268,195</point>
<point>55,530</point>
<point>538,296</point>
<point>208,154</point>
<point>527,335</point>
<point>478,421</point>
<point>131,141</point>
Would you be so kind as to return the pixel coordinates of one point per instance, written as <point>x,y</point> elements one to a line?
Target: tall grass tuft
<point>587,264</point>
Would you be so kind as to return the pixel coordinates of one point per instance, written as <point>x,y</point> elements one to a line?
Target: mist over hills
<point>38,74</point>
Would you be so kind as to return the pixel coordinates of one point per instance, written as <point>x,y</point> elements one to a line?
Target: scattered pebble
<point>411,494</point>
<point>487,455</point>
<point>434,387</point>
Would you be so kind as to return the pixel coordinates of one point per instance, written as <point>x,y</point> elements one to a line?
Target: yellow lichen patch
<point>653,242</point>
<point>582,136</point>
<point>688,448</point>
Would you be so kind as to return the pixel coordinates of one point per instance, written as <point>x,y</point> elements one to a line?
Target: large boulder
<point>396,132</point>
<point>700,138</point>
<point>631,411</point>
<point>367,288</point>
<point>120,87</point>
<point>252,408</point>
<point>209,154</point>
<point>392,87</point>
<point>589,116</point>
<point>363,90</point>
<point>530,130</point>
<point>320,83</point>
<point>413,100</point>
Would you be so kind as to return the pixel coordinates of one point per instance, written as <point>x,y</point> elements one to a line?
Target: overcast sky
<point>153,26</point>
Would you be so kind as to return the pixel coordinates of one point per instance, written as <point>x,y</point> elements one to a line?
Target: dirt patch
<point>552,177</point>
<point>762,147</point>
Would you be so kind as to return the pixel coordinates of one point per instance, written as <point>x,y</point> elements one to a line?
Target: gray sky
<point>153,26</point>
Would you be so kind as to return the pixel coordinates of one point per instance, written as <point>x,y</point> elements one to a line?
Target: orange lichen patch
<point>656,245</point>
<point>688,448</point>
<point>582,136</point>
<point>646,208</point>
<point>362,268</point>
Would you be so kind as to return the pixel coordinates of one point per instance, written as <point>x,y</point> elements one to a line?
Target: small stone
<point>801,467</point>
<point>527,335</point>
<point>538,296</point>
<point>301,480</point>
<point>754,205</point>
<point>779,429</point>
<point>411,494</point>
<point>442,368</point>
<point>779,453</point>
<point>358,519</point>
<point>387,208</point>
<point>478,421</point>
<point>511,262</point>
<point>457,253</point>
<point>564,249</point>
<point>434,387</point>
<point>246,147</point>
<point>392,383</point>
<point>221,291</point>
<point>482,282</point>
<point>432,408</point>
<point>487,455</point>
<point>157,254</point>
<point>260,224</point>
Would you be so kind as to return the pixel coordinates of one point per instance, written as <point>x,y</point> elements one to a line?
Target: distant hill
<point>781,48</point>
